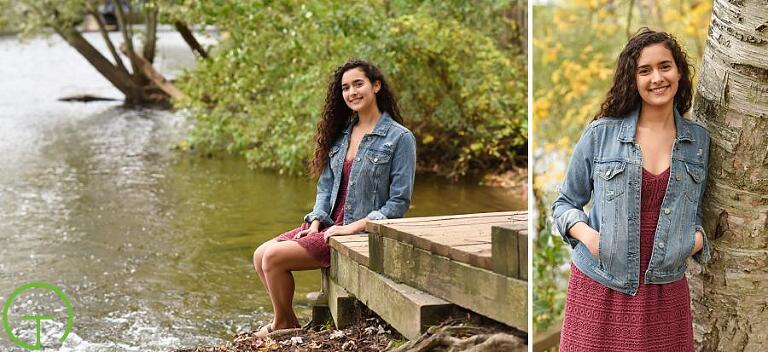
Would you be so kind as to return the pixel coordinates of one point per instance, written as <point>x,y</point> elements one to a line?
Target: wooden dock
<point>417,272</point>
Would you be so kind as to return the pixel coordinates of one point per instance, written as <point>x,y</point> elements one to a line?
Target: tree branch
<point>150,16</point>
<point>183,29</point>
<point>628,30</point>
<point>127,37</point>
<point>105,35</point>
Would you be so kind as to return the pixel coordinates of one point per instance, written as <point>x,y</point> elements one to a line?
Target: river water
<point>153,247</point>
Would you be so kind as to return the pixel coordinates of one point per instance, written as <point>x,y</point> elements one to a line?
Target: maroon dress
<point>315,243</point>
<point>657,318</point>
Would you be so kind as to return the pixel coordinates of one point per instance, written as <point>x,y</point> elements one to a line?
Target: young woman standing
<point>643,166</point>
<point>366,162</point>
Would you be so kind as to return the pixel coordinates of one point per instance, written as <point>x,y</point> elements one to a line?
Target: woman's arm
<point>344,230</point>
<point>702,255</point>
<point>322,206</point>
<point>402,174</point>
<point>575,192</point>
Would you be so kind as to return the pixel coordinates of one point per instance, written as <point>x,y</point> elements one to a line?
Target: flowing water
<point>153,247</point>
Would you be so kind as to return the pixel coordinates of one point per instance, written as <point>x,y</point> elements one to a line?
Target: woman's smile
<point>355,100</point>
<point>660,90</point>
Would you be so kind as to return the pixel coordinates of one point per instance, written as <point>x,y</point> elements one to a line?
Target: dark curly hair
<point>623,96</point>
<point>336,113</point>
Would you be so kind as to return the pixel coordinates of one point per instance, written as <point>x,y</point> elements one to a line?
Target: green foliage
<point>462,85</point>
<point>549,278</point>
<point>30,18</point>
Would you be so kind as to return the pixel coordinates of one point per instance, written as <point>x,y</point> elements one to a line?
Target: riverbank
<point>370,333</point>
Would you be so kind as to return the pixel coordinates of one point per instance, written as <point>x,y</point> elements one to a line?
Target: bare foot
<point>264,331</point>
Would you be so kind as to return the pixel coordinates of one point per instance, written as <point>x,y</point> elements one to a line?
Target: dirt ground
<point>371,334</point>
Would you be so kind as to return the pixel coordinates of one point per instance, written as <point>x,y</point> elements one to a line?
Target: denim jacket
<point>381,178</point>
<point>606,167</point>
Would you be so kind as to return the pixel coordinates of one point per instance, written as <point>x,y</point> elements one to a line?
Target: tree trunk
<point>118,77</point>
<point>730,296</point>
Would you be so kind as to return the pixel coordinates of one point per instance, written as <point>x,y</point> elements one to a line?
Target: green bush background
<point>457,67</point>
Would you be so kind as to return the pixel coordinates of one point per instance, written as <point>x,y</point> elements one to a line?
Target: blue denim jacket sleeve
<point>402,175</point>
<point>576,190</point>
<point>703,256</point>
<point>322,206</point>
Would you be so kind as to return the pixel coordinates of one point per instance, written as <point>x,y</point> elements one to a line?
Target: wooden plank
<point>505,250</point>
<point>342,306</point>
<point>510,219</point>
<point>496,296</point>
<point>522,253</point>
<point>515,215</point>
<point>408,310</point>
<point>353,246</point>
<point>452,223</point>
<point>438,246</point>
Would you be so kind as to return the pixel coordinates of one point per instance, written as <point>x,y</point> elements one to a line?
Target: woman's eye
<point>666,67</point>
<point>643,72</point>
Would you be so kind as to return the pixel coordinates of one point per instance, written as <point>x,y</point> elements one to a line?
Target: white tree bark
<point>730,296</point>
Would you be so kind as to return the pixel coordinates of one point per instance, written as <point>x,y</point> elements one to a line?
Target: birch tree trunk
<point>730,296</point>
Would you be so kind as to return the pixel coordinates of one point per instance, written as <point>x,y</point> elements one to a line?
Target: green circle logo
<point>37,318</point>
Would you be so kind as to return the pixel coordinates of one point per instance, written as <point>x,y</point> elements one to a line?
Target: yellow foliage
<point>575,47</point>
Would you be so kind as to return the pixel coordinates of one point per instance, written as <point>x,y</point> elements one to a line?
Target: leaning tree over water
<point>125,66</point>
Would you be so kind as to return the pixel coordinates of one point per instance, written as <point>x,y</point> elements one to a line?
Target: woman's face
<point>657,75</point>
<point>358,92</point>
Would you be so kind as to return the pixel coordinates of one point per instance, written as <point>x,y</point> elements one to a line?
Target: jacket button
<point>667,211</point>
<point>608,173</point>
<point>678,178</point>
<point>661,244</point>
<point>357,159</point>
<point>375,160</point>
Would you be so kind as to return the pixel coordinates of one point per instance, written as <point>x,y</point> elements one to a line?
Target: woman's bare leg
<point>258,257</point>
<point>278,261</point>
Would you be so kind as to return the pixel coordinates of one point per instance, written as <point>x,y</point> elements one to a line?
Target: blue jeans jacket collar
<point>381,128</point>
<point>628,128</point>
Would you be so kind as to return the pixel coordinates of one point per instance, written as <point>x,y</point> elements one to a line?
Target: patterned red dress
<point>315,243</point>
<point>657,319</point>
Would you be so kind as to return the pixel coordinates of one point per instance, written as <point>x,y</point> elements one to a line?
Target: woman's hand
<point>587,235</point>
<point>698,242</point>
<point>339,230</point>
<point>592,242</point>
<point>313,228</point>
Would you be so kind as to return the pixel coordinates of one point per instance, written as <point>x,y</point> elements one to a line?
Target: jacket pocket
<point>333,157</point>
<point>693,182</point>
<point>378,157</point>
<point>611,182</point>
<point>377,165</point>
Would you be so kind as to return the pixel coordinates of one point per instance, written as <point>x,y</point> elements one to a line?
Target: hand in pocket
<point>698,243</point>
<point>593,243</point>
